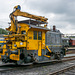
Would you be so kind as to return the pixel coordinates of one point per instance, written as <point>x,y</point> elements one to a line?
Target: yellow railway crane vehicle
<point>26,40</point>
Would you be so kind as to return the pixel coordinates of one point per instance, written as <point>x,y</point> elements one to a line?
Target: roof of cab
<point>33,24</point>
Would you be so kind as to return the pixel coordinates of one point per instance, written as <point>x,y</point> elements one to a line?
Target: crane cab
<point>35,35</point>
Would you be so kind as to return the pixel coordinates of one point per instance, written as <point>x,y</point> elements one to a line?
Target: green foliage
<point>3,31</point>
<point>72,36</point>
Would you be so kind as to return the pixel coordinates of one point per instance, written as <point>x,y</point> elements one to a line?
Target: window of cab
<point>39,35</point>
<point>35,35</point>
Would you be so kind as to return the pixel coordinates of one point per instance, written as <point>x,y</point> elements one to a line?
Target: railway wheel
<point>21,59</point>
<point>22,56</point>
<point>52,56</point>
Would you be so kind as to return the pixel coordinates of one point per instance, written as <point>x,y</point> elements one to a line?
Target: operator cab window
<point>39,35</point>
<point>35,35</point>
<point>23,32</point>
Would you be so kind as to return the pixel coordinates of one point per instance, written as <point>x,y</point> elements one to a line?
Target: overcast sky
<point>59,12</point>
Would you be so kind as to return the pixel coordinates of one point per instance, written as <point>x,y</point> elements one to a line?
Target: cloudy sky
<point>59,12</point>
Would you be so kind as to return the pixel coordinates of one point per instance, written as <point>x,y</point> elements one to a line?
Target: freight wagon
<point>72,42</point>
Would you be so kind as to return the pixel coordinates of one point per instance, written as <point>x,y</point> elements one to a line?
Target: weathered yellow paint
<point>2,41</point>
<point>48,49</point>
<point>47,56</point>
<point>32,45</point>
<point>43,39</point>
<point>24,27</point>
<point>21,44</point>
<point>39,50</point>
<point>15,57</point>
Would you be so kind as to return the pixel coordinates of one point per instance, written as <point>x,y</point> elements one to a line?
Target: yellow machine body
<point>31,38</point>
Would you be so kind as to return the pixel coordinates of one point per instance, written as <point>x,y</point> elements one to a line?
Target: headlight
<point>15,45</point>
<point>21,43</point>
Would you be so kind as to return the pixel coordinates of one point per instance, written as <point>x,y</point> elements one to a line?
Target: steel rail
<point>15,67</point>
<point>62,70</point>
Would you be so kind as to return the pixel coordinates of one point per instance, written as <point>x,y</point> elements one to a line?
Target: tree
<point>3,31</point>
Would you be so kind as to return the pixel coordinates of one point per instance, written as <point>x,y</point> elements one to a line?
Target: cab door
<point>39,48</point>
<point>39,43</point>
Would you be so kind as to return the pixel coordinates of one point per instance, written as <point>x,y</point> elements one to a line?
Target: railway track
<point>4,68</point>
<point>67,69</point>
<point>63,70</point>
<point>69,72</point>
